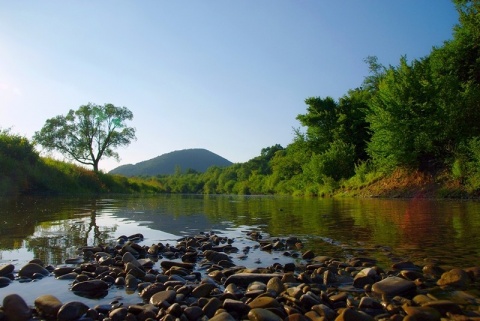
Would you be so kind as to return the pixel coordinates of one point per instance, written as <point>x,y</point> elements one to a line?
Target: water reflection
<point>53,228</point>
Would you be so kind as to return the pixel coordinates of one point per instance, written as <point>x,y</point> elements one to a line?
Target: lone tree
<point>88,133</point>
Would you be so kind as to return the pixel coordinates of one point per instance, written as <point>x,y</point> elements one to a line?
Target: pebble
<point>199,281</point>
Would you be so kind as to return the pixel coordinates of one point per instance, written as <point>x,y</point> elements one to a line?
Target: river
<point>52,229</point>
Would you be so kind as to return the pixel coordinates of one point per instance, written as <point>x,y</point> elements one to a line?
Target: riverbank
<point>412,184</point>
<point>202,277</point>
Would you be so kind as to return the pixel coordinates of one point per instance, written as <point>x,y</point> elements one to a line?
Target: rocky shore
<point>196,279</point>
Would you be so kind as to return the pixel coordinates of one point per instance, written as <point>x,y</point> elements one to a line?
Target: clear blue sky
<point>228,76</point>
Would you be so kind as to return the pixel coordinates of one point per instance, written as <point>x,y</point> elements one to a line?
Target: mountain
<point>198,159</point>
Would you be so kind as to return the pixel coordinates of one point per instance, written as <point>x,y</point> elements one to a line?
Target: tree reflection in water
<point>55,241</point>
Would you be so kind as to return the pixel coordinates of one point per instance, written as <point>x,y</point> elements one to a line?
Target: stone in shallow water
<point>4,281</point>
<point>71,311</point>
<point>91,289</point>
<point>15,308</point>
<point>244,279</point>
<point>6,269</point>
<point>30,269</point>
<point>393,286</point>
<point>455,277</point>
<point>47,306</point>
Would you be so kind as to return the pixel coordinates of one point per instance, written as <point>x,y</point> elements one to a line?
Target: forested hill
<point>196,159</point>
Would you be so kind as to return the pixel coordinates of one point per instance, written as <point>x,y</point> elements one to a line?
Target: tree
<point>88,133</point>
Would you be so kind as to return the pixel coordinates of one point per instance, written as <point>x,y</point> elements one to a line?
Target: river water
<point>52,229</point>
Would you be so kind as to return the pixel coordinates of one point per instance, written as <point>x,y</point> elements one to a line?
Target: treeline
<point>24,172</point>
<point>422,115</point>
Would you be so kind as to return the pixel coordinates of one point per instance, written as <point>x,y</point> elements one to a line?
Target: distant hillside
<point>197,159</point>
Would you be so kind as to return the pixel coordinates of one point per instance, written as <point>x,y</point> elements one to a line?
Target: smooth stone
<point>47,306</point>
<point>212,306</point>
<point>129,258</point>
<point>422,313</point>
<point>30,269</point>
<point>216,257</point>
<point>264,302</point>
<point>369,303</point>
<point>15,308</point>
<point>236,306</point>
<point>353,315</point>
<point>222,316</point>
<point>151,289</point>
<point>275,285</point>
<point>159,298</point>
<point>405,265</point>
<point>71,311</point>
<point>118,314</point>
<point>444,307</point>
<point>4,281</point>
<point>203,290</point>
<point>167,265</point>
<point>6,269</point>
<point>259,314</point>
<point>131,282</point>
<point>132,269</point>
<point>75,260</point>
<point>68,276</point>
<point>393,286</point>
<point>455,277</point>
<point>193,313</point>
<point>300,317</point>
<point>90,286</point>
<point>244,279</point>
<point>325,311</point>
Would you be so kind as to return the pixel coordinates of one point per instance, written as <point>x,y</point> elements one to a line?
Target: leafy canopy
<point>88,133</point>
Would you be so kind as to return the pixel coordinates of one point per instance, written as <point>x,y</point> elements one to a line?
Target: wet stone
<point>30,269</point>
<point>159,298</point>
<point>71,311</point>
<point>455,277</point>
<point>47,306</point>
<point>6,269</point>
<point>15,308</point>
<point>392,286</point>
<point>259,314</point>
<point>4,281</point>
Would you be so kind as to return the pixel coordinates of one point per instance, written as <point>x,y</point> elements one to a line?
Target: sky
<point>228,76</point>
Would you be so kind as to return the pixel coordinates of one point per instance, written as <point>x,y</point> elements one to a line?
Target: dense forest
<point>420,117</point>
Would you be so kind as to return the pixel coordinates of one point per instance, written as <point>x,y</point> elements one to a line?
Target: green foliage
<point>88,134</point>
